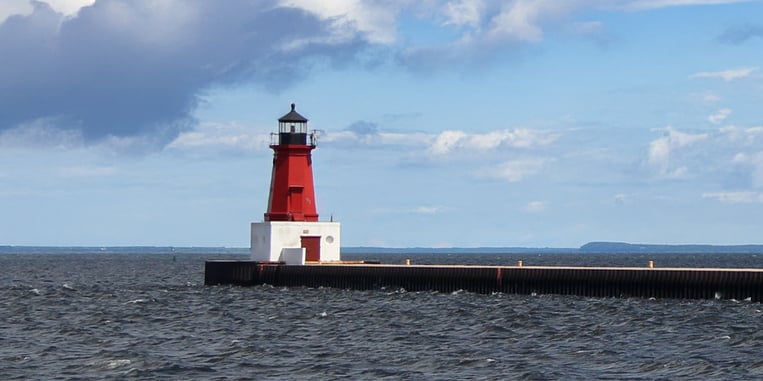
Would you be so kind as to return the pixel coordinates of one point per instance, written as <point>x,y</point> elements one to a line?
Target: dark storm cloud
<point>740,34</point>
<point>136,67</point>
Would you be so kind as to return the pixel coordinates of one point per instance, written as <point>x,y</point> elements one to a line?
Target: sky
<point>442,123</point>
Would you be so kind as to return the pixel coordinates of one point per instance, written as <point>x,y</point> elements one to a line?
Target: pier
<point>619,282</point>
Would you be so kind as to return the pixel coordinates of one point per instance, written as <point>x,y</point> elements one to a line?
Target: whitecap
<point>136,301</point>
<point>323,314</point>
<point>113,364</point>
<point>35,291</point>
<point>67,287</point>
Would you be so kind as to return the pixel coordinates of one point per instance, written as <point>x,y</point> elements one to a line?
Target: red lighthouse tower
<point>292,194</point>
<point>291,232</point>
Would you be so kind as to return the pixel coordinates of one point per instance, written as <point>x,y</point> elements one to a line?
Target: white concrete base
<point>269,239</point>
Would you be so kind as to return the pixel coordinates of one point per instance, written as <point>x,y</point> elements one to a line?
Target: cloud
<point>653,4</point>
<point>126,68</point>
<point>464,13</point>
<point>482,30</point>
<point>621,198</point>
<point>736,197</point>
<point>221,137</point>
<point>445,142</point>
<point>515,170</point>
<point>364,128</point>
<point>747,136</point>
<point>719,116</point>
<point>740,34</point>
<point>706,97</point>
<point>368,134</point>
<point>40,133</point>
<point>535,207</point>
<point>726,75</point>
<point>376,21</point>
<point>661,150</point>
<point>448,141</point>
<point>424,210</point>
<point>730,155</point>
<point>520,21</point>
<point>10,8</point>
<point>753,161</point>
<point>428,210</point>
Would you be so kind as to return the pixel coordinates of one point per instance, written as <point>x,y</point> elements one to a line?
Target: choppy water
<point>145,316</point>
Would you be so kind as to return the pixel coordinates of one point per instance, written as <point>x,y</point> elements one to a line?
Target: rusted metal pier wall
<point>676,283</point>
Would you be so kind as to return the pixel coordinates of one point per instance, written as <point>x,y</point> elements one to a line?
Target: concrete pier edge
<point>621,282</point>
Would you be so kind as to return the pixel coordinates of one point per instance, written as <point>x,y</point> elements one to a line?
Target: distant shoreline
<point>591,247</point>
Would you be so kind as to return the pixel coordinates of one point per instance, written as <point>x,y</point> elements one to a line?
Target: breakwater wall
<point>674,283</point>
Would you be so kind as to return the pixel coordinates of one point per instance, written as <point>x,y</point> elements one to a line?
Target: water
<point>147,316</point>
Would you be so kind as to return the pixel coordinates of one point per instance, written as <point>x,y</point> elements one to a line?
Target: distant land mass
<point>622,247</point>
<point>455,250</point>
<point>591,247</point>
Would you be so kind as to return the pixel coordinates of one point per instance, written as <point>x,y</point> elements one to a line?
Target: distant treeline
<point>454,250</point>
<point>622,247</point>
<point>591,247</point>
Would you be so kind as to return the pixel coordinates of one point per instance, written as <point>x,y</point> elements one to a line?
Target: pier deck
<point>677,283</point>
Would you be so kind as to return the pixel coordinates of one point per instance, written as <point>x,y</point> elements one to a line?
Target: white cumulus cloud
<point>726,75</point>
<point>448,141</point>
<point>516,170</point>
<point>377,21</point>
<point>464,12</point>
<point>10,8</point>
<point>661,150</point>
<point>753,161</point>
<point>719,116</point>
<point>428,209</point>
<point>535,207</point>
<point>221,136</point>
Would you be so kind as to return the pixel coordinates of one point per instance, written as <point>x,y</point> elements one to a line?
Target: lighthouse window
<point>294,128</point>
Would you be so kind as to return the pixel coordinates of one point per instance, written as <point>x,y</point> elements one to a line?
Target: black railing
<point>286,138</point>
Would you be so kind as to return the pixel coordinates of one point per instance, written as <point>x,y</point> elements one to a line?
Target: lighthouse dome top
<point>292,117</point>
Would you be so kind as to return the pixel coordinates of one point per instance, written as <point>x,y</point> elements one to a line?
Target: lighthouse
<point>291,231</point>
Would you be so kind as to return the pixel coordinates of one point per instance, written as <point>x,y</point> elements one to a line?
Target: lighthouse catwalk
<point>292,247</point>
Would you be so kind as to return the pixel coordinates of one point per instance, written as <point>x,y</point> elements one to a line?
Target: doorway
<point>312,245</point>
